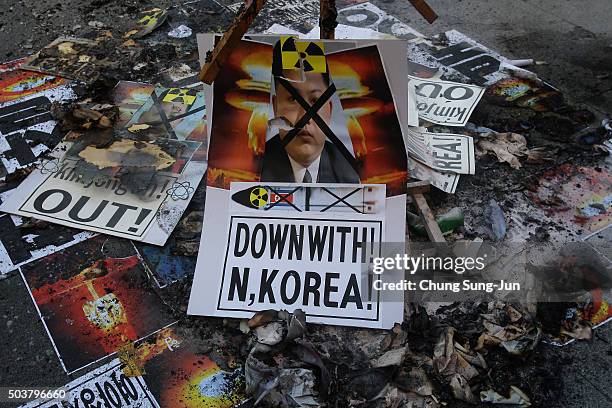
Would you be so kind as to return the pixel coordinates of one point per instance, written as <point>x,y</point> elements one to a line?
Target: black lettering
<point>40,200</point>
<point>478,68</point>
<point>88,397</point>
<point>351,294</point>
<point>111,394</point>
<point>317,241</point>
<point>239,228</point>
<point>456,53</point>
<point>61,173</point>
<point>74,211</point>
<point>238,283</point>
<point>24,114</point>
<point>436,88</point>
<point>297,283</point>
<point>20,150</point>
<point>330,253</point>
<point>442,164</point>
<point>329,289</point>
<point>119,213</point>
<point>451,147</point>
<point>126,388</point>
<point>312,287</point>
<point>12,241</point>
<point>343,231</point>
<point>265,286</point>
<point>442,111</point>
<point>467,93</point>
<point>103,395</point>
<point>296,243</point>
<point>277,240</point>
<point>261,229</point>
<point>360,245</point>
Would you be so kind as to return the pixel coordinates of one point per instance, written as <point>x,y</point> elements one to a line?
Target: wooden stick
<point>218,56</point>
<point>423,8</point>
<point>417,187</point>
<point>328,16</point>
<point>431,226</point>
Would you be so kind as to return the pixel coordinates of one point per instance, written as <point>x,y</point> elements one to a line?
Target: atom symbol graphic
<point>47,166</point>
<point>180,191</point>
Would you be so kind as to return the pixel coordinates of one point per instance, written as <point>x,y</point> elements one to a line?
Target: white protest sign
<point>59,192</point>
<point>106,386</point>
<point>444,152</point>
<point>443,102</point>
<point>446,182</point>
<point>294,246</point>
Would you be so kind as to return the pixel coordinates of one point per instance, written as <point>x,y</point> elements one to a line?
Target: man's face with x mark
<point>308,144</point>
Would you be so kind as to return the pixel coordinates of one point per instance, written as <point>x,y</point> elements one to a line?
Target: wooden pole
<point>328,14</point>
<point>218,56</point>
<point>423,8</point>
<point>416,190</point>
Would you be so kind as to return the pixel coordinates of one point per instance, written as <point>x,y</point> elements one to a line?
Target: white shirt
<point>299,170</point>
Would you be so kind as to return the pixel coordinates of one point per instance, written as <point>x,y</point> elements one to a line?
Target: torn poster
<point>148,20</point>
<point>294,246</point>
<point>446,182</point>
<point>367,15</point>
<point>526,93</point>
<point>362,114</point>
<point>461,59</point>
<point>445,103</point>
<point>23,241</point>
<point>129,96</point>
<point>114,183</point>
<point>27,128</point>
<point>92,299</point>
<point>444,152</point>
<point>80,58</point>
<point>176,113</point>
<point>295,14</point>
<point>344,32</point>
<point>180,374</point>
<point>17,84</point>
<point>105,386</point>
<point>67,57</point>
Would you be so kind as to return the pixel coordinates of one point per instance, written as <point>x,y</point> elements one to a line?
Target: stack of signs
<point>133,183</point>
<point>448,104</point>
<point>307,176</point>
<point>441,157</point>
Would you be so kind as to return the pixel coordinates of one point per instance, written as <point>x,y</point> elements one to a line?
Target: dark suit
<point>333,167</point>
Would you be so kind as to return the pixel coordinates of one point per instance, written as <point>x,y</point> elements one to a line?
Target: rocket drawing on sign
<point>365,199</point>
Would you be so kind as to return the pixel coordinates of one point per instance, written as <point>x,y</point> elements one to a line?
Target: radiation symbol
<point>259,197</point>
<point>289,53</point>
<point>310,53</point>
<point>151,19</point>
<point>187,96</point>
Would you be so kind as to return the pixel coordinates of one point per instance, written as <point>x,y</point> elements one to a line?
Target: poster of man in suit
<point>339,122</point>
<point>310,156</point>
